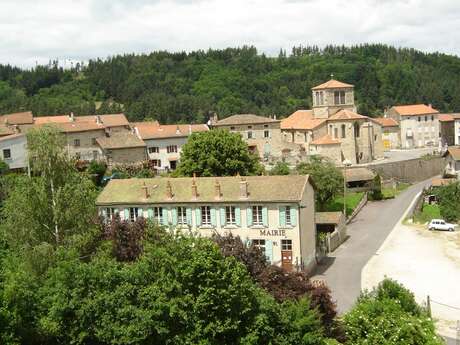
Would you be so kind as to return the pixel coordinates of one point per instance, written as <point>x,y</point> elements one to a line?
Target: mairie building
<point>275,213</point>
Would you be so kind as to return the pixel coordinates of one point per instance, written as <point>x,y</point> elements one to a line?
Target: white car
<point>439,224</point>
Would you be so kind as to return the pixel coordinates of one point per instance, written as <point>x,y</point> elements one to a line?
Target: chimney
<point>177,129</point>
<point>190,129</point>
<point>194,188</point>
<point>274,117</point>
<point>98,120</point>
<point>146,190</point>
<point>218,190</point>
<point>169,193</point>
<point>243,189</point>
<point>71,117</point>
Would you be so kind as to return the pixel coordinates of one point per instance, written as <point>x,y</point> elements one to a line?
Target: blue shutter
<point>150,213</point>
<point>126,215</point>
<point>174,215</point>
<point>269,250</point>
<point>188,214</point>
<point>198,216</point>
<point>222,216</point>
<point>264,216</point>
<point>282,215</point>
<point>238,216</point>
<point>213,216</point>
<point>164,216</point>
<point>294,215</point>
<point>249,216</point>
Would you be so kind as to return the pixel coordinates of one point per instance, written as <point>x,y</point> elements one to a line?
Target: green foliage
<point>3,167</point>
<point>448,197</point>
<point>96,170</point>
<point>326,176</point>
<point>376,191</point>
<point>428,213</point>
<point>217,153</point>
<point>336,204</point>
<point>280,168</point>
<point>389,315</point>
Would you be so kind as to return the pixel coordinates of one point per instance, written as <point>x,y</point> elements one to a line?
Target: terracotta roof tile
<point>17,118</point>
<point>438,182</point>
<point>332,84</point>
<point>359,174</point>
<point>301,119</point>
<point>386,121</point>
<point>4,130</point>
<point>344,114</point>
<point>326,140</point>
<point>120,141</point>
<point>454,152</point>
<point>414,109</point>
<point>260,188</point>
<point>107,120</point>
<point>244,119</point>
<point>152,130</point>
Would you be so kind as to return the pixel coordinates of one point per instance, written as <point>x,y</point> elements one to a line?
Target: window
<point>181,215</point>
<point>259,244</point>
<point>343,131</point>
<point>339,97</point>
<point>321,98</point>
<point>77,155</point>
<point>76,142</point>
<point>356,129</point>
<point>432,118</point>
<point>156,163</point>
<point>257,215</point>
<point>419,119</point>
<point>230,217</point>
<point>110,213</point>
<point>265,126</point>
<point>249,127</point>
<point>133,214</point>
<point>286,244</point>
<point>7,154</point>
<point>336,133</point>
<point>95,155</point>
<point>426,118</point>
<point>206,215</point>
<point>232,128</point>
<point>266,134</point>
<point>317,97</point>
<point>157,214</point>
<point>154,149</point>
<point>288,215</point>
<point>93,141</point>
<point>171,148</point>
<point>249,134</point>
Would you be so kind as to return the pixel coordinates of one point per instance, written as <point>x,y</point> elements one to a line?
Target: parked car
<point>439,224</point>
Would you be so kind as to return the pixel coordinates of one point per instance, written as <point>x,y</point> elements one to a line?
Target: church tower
<point>332,96</point>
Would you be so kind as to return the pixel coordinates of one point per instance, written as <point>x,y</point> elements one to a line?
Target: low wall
<point>358,208</point>
<point>336,238</point>
<point>412,170</point>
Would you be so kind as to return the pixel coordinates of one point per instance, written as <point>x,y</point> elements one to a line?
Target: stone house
<point>419,125</point>
<point>164,142</point>
<point>327,146</point>
<point>275,213</point>
<point>452,157</point>
<point>447,129</point>
<point>122,148</point>
<point>17,121</point>
<point>391,135</point>
<point>13,151</point>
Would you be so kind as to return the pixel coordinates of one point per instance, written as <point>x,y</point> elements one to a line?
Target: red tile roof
<point>414,109</point>
<point>244,119</point>
<point>107,120</point>
<point>387,121</point>
<point>347,115</point>
<point>326,140</point>
<point>121,140</point>
<point>332,84</point>
<point>301,119</point>
<point>17,118</point>
<point>153,130</point>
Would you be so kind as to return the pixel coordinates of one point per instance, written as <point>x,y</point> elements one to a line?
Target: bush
<point>280,168</point>
<point>376,192</point>
<point>97,170</point>
<point>3,167</point>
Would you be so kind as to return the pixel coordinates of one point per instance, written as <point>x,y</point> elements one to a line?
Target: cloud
<point>33,31</point>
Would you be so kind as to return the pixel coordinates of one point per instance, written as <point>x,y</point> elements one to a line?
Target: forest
<point>189,87</point>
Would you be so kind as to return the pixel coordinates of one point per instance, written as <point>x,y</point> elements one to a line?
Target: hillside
<point>186,87</point>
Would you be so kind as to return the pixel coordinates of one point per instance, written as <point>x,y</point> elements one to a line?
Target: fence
<point>336,238</point>
<point>446,309</point>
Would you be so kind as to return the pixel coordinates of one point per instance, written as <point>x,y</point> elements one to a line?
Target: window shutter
<point>198,216</point>
<point>222,216</point>
<point>213,216</point>
<point>238,216</point>
<point>269,250</point>
<point>126,215</point>
<point>174,215</point>
<point>188,214</point>
<point>294,215</point>
<point>150,213</point>
<point>264,216</point>
<point>164,216</point>
<point>282,216</point>
<point>249,216</point>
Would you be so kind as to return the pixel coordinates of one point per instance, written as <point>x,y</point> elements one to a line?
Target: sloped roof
<point>4,130</point>
<point>301,119</point>
<point>454,152</point>
<point>359,174</point>
<point>414,109</point>
<point>438,182</point>
<point>244,119</point>
<point>328,217</point>
<point>22,118</point>
<point>387,122</point>
<point>12,136</point>
<point>332,84</point>
<point>153,130</point>
<point>447,117</point>
<point>260,189</point>
<point>326,140</point>
<point>120,140</point>
<point>107,120</point>
<point>345,114</point>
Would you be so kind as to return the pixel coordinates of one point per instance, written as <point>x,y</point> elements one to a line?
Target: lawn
<point>390,193</point>
<point>429,212</point>
<point>352,200</point>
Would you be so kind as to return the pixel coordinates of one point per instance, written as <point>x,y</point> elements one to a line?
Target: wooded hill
<point>187,87</point>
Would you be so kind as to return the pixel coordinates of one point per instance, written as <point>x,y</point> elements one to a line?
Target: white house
<point>276,213</point>
<point>13,150</point>
<point>164,142</point>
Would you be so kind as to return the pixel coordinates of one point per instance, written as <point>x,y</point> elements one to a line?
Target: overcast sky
<point>39,30</point>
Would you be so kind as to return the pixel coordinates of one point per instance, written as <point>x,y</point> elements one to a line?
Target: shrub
<point>280,168</point>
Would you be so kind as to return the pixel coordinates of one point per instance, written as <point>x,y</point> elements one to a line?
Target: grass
<point>390,193</point>
<point>429,212</point>
<point>352,200</point>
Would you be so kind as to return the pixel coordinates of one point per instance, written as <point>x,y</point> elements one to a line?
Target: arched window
<point>343,131</point>
<point>356,127</point>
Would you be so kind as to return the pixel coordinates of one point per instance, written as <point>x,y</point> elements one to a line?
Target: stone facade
<point>329,98</point>
<point>83,145</point>
<point>447,129</point>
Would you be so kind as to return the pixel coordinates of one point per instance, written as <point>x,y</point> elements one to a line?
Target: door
<point>286,260</point>
<point>173,165</point>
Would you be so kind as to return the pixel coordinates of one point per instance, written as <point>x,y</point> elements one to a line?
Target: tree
<point>3,167</point>
<point>389,315</point>
<point>448,201</point>
<point>327,177</point>
<point>217,153</point>
<point>376,191</point>
<point>280,168</point>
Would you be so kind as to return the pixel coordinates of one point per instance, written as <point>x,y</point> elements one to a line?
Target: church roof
<point>345,114</point>
<point>387,121</point>
<point>326,140</point>
<point>301,119</point>
<point>332,84</point>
